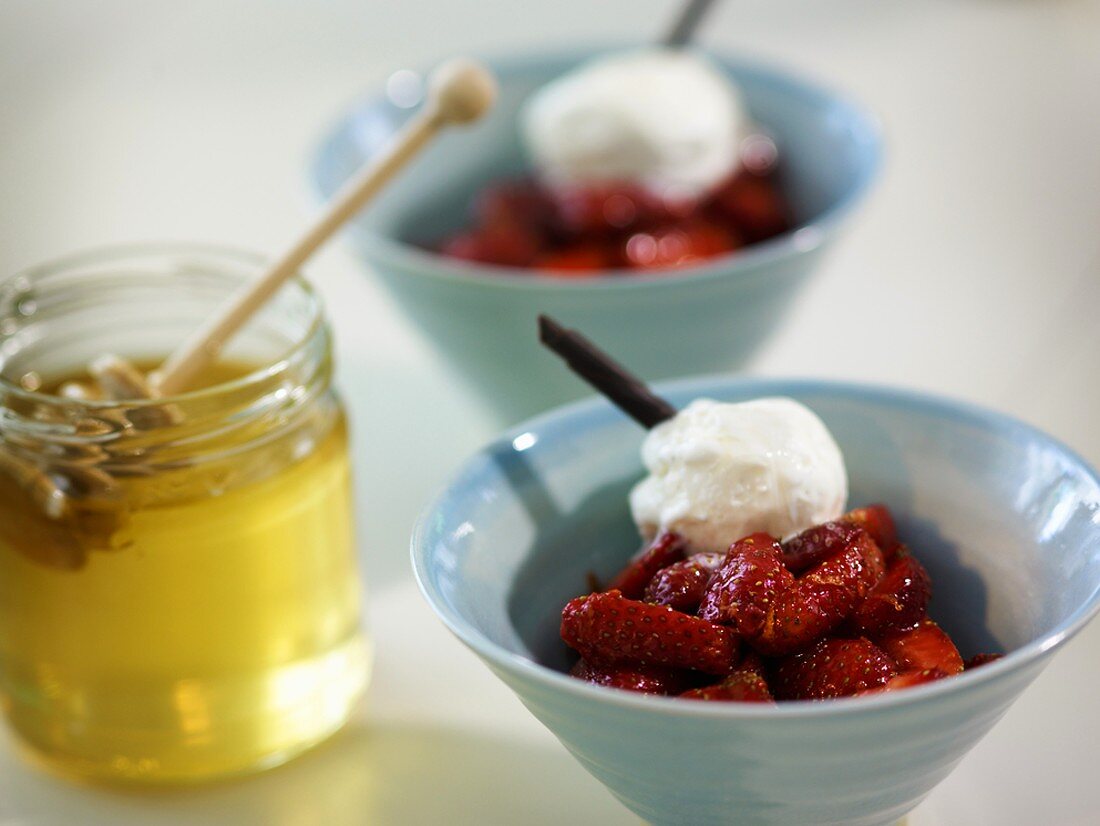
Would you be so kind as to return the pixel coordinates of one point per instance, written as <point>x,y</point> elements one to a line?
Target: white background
<point>974,270</point>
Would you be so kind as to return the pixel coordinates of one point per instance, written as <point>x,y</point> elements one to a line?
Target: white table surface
<point>973,271</point>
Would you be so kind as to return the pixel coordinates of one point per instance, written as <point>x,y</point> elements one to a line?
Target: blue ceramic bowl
<point>482,318</point>
<point>1006,519</point>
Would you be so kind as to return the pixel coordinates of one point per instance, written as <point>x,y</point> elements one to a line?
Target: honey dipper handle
<point>459,91</point>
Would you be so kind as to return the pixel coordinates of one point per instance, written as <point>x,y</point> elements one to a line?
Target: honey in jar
<point>179,594</point>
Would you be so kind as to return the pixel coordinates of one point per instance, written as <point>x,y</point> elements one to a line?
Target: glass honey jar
<point>179,593</point>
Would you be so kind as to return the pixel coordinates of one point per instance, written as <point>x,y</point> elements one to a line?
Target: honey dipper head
<point>462,90</point>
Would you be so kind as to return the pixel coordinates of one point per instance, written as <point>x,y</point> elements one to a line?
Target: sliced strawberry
<point>877,521</point>
<point>898,601</point>
<point>820,600</point>
<point>662,552</point>
<point>682,584</point>
<point>924,646</point>
<point>465,246</point>
<point>777,614</point>
<point>509,244</point>
<point>753,662</point>
<point>708,238</point>
<point>680,244</point>
<point>520,201</point>
<point>504,244</point>
<point>576,260</point>
<point>755,205</point>
<point>907,679</point>
<point>608,629</point>
<point>979,660</point>
<point>599,210</point>
<point>833,667</point>
<point>645,679</point>
<point>815,545</point>
<point>738,687</point>
<point>746,585</point>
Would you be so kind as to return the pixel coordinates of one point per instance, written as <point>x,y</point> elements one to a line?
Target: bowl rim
<point>383,250</point>
<point>594,409</point>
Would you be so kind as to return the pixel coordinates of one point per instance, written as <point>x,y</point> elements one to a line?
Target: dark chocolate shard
<point>606,375</point>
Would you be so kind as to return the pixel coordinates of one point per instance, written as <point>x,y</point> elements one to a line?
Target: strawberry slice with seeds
<point>907,679</point>
<point>599,210</point>
<point>645,679</point>
<point>898,601</point>
<point>755,205</point>
<point>576,260</point>
<point>745,586</point>
<point>777,614</point>
<point>833,667</point>
<point>924,646</point>
<point>519,201</point>
<point>814,545</point>
<point>633,579</point>
<point>820,600</point>
<point>751,661</point>
<point>682,584</point>
<point>879,522</point>
<point>979,660</point>
<point>738,687</point>
<point>680,244</point>
<point>608,629</point>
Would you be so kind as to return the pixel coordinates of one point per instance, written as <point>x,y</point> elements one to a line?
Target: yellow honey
<point>202,622</point>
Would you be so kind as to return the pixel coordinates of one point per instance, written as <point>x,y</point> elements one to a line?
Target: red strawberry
<point>751,661</point>
<point>877,521</point>
<point>641,678</point>
<point>742,590</point>
<point>463,245</point>
<point>773,611</point>
<point>576,260</point>
<point>924,646</point>
<point>815,545</point>
<point>609,629</point>
<point>662,552</point>
<point>509,244</point>
<point>979,660</point>
<point>899,599</point>
<point>819,600</point>
<point>680,244</point>
<point>520,202</point>
<point>833,667</point>
<point>739,687</point>
<point>600,210</point>
<point>907,679</point>
<point>682,584</point>
<point>754,204</point>
<point>503,244</point>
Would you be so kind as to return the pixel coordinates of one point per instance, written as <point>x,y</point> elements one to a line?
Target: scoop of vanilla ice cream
<point>666,119</point>
<point>718,472</point>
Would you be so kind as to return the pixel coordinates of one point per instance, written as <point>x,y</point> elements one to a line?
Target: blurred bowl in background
<point>664,323</point>
<point>1006,520</point>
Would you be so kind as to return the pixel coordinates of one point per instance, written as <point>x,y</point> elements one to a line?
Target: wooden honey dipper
<point>459,91</point>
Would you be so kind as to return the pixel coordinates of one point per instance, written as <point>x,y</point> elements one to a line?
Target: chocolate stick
<point>605,374</point>
<point>683,29</point>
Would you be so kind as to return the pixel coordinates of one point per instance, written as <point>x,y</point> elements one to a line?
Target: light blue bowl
<point>1006,519</point>
<point>482,318</point>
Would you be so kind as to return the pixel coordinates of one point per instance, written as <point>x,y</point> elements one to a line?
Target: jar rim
<point>106,253</point>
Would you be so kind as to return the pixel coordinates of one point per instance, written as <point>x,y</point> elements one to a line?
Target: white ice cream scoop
<point>666,119</point>
<point>719,471</point>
